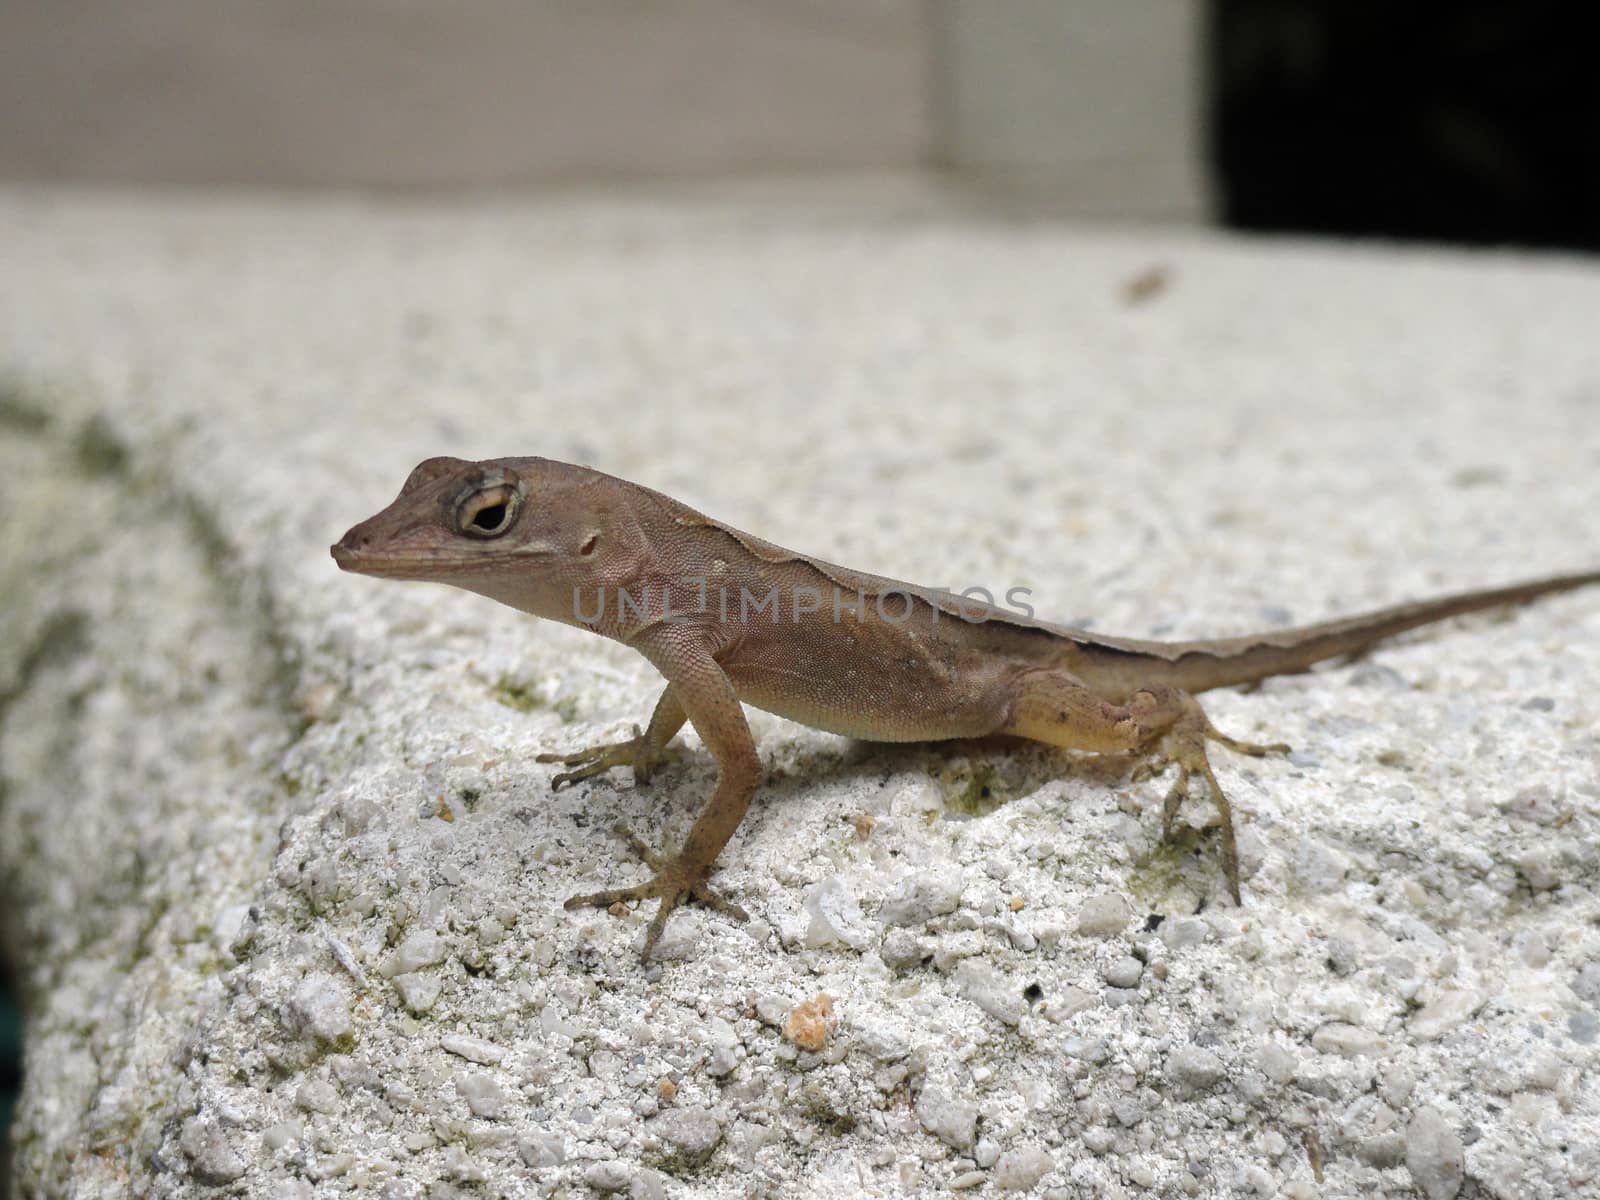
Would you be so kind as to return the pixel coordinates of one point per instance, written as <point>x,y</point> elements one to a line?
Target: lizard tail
<point>1199,666</point>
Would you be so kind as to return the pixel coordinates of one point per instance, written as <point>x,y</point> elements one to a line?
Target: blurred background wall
<point>471,93</point>
<point>1470,120</point>
<point>1094,103</point>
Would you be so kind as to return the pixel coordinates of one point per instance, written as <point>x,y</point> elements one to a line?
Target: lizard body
<point>731,619</point>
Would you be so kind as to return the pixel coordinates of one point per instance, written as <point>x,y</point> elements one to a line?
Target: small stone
<point>424,948</point>
<point>834,917</point>
<point>1383,1150</point>
<point>1097,1139</point>
<point>1444,1014</point>
<point>883,1042</point>
<point>1587,984</point>
<point>954,1122</point>
<point>1021,1167</point>
<point>604,1064</point>
<point>1538,804</point>
<point>542,1150</point>
<point>1541,1070</point>
<point>772,1009</point>
<point>920,898</point>
<point>334,1166</point>
<point>692,1134</point>
<point>318,1095</point>
<point>276,1137</point>
<point>228,928</point>
<point>1182,933</point>
<point>1105,915</point>
<point>485,1054</point>
<point>901,949</point>
<point>212,1157</point>
<point>968,1180</point>
<point>1534,947</point>
<point>319,881</point>
<point>1541,869</point>
<point>1317,867</point>
<point>612,1175</point>
<point>807,1024</point>
<point>724,1044</point>
<point>1396,1085</point>
<point>1191,1069</point>
<point>1069,1003</point>
<point>1583,1027</point>
<point>1348,1041</point>
<point>1434,1155</point>
<point>990,991</point>
<point>484,1096</point>
<point>418,992</point>
<point>1091,1050</point>
<point>319,1009</point>
<point>1123,972</point>
<point>986,1153</point>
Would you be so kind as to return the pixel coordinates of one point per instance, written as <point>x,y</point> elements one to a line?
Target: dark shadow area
<point>1473,121</point>
<point>10,1074</point>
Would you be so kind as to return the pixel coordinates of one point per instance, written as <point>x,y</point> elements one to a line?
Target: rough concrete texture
<point>283,882</point>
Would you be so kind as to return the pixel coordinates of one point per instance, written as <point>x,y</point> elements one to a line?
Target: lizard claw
<point>674,882</point>
<point>635,752</point>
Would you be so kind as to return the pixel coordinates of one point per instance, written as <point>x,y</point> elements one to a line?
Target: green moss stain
<point>514,693</point>
<point>1169,869</point>
<point>526,698</point>
<point>973,789</point>
<point>100,451</point>
<point>20,411</point>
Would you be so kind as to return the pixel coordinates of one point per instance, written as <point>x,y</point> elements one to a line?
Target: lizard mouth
<point>352,555</point>
<point>388,565</point>
<point>363,562</point>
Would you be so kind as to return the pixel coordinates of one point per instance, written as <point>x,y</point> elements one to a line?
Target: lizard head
<point>524,531</point>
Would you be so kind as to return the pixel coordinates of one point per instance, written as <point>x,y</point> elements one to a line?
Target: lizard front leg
<point>643,751</point>
<point>1166,725</point>
<point>705,695</point>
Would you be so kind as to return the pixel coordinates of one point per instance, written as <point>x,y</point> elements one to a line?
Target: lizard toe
<point>672,883</point>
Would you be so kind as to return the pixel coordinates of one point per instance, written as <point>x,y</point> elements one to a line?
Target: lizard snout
<point>348,550</point>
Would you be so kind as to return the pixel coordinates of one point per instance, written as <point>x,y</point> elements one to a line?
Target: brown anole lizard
<point>730,619</point>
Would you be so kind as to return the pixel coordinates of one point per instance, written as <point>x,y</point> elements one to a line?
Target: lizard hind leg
<point>1164,725</point>
<point>1183,745</point>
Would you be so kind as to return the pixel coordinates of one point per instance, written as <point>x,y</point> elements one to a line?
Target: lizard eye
<point>488,513</point>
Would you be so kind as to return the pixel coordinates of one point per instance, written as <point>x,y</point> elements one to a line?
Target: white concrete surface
<point>284,881</point>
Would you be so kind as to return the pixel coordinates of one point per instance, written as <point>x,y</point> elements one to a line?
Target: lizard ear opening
<point>488,512</point>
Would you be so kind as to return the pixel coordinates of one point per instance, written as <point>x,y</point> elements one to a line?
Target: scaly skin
<point>836,649</point>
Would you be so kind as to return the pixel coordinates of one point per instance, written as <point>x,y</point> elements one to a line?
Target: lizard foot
<point>635,752</point>
<point>674,882</point>
<point>1184,746</point>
